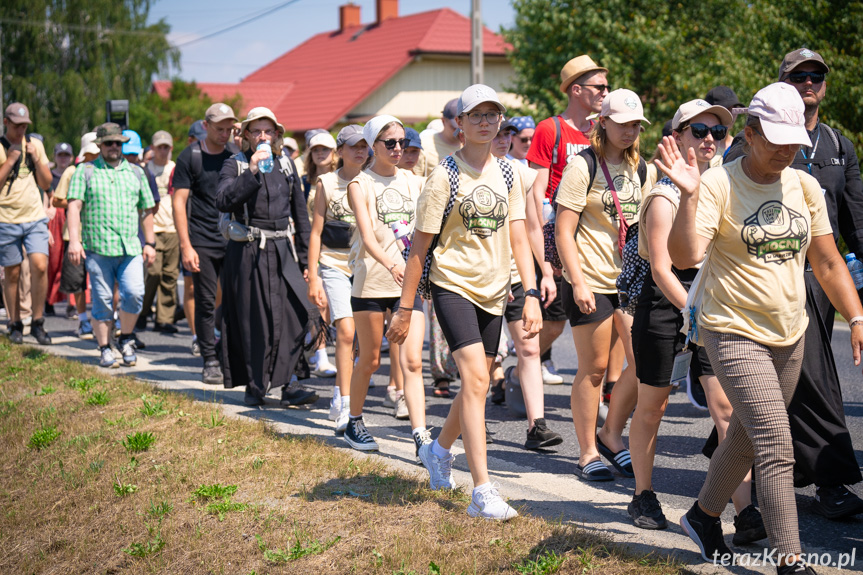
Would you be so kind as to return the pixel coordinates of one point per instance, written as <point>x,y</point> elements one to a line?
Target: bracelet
<point>390,269</point>
<point>151,244</point>
<point>856,320</point>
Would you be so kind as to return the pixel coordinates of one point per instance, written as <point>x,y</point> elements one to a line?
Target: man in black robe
<point>265,311</point>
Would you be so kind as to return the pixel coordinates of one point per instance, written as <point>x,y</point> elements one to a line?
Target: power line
<point>79,27</point>
<point>238,24</point>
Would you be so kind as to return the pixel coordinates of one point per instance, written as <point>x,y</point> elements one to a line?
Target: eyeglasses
<point>259,133</point>
<point>390,144</point>
<point>526,139</point>
<point>700,131</point>
<point>490,117</point>
<point>112,143</point>
<point>800,77</point>
<point>770,146</point>
<point>600,87</point>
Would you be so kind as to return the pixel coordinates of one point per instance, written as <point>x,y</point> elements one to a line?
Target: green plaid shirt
<point>109,217</point>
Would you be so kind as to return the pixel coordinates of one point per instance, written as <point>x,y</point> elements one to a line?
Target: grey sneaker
<point>195,348</point>
<point>37,330</point>
<point>127,348</point>
<point>107,358</point>
<point>390,397</point>
<point>212,373</point>
<point>401,409</point>
<point>439,468</point>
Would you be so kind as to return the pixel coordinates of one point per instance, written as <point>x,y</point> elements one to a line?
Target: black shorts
<point>463,323</point>
<point>555,311</point>
<point>656,338</point>
<point>606,303</point>
<point>73,279</point>
<point>515,307</point>
<point>381,304</point>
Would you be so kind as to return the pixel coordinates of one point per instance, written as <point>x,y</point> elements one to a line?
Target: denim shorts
<point>338,289</point>
<point>127,272</point>
<point>33,236</point>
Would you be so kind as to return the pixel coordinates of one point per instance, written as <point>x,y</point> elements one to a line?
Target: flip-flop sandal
<point>621,460</point>
<point>441,389</point>
<point>594,471</point>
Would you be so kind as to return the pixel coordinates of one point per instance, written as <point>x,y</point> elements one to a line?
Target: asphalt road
<point>542,482</point>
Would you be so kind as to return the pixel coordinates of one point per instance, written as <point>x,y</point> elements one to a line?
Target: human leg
<point>591,345</point>
<point>204,311</point>
<point>625,393</point>
<point>411,366</point>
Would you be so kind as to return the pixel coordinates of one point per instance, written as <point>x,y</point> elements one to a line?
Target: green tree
<point>64,58</point>
<point>184,105</point>
<point>669,53</point>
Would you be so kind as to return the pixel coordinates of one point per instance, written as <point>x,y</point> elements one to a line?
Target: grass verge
<point>104,474</point>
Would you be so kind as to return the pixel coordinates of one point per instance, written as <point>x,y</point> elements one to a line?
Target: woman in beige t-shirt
<point>591,264</point>
<point>761,221</point>
<point>330,283</point>
<point>380,196</point>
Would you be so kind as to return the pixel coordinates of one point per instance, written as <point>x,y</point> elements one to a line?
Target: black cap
<point>723,96</point>
<point>666,129</point>
<point>508,125</point>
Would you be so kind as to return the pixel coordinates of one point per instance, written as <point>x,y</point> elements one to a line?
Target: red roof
<point>317,83</point>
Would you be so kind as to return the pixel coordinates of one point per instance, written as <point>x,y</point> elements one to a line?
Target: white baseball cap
<point>475,95</point>
<point>696,107</point>
<point>374,126</point>
<point>622,106</point>
<point>324,139</point>
<point>780,109</point>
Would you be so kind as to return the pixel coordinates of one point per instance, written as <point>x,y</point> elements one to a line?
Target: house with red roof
<point>407,66</point>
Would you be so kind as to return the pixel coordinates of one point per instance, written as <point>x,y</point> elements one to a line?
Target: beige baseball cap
<point>780,109</point>
<point>324,139</point>
<point>162,137</point>
<point>257,114</point>
<point>693,108</point>
<point>622,106</point>
<point>576,67</point>
<point>218,112</point>
<point>18,113</point>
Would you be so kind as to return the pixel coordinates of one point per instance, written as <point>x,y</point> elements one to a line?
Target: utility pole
<point>476,60</point>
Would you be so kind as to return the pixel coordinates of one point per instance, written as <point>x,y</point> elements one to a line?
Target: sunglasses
<point>112,143</point>
<point>600,87</point>
<point>800,77</point>
<point>700,131</point>
<point>526,139</point>
<point>390,144</point>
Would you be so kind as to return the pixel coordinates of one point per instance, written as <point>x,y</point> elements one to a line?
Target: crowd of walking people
<point>713,265</point>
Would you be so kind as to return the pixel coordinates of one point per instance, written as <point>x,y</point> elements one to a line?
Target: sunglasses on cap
<point>390,144</point>
<point>700,131</point>
<point>800,77</point>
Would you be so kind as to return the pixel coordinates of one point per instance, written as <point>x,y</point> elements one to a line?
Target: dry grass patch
<point>106,475</point>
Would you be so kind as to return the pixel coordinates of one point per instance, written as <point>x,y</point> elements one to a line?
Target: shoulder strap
<point>554,152</point>
<point>89,168</point>
<point>834,138</point>
<point>642,171</point>
<point>4,141</point>
<point>508,176</point>
<point>196,164</point>
<point>139,171</point>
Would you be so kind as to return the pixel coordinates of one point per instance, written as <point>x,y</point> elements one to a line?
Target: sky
<point>230,56</point>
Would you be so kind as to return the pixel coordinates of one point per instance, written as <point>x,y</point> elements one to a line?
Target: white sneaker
<point>401,409</point>
<point>439,468</point>
<point>549,374</point>
<point>390,398</point>
<point>335,405</point>
<point>342,420</point>
<point>488,504</point>
<point>324,369</point>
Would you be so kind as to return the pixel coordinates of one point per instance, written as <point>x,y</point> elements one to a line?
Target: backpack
<point>13,173</point>
<point>424,287</point>
<point>548,229</point>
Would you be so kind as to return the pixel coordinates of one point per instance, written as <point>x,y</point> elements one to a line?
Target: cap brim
<point>785,135</point>
<point>217,119</point>
<point>475,104</point>
<point>625,118</point>
<point>121,139</point>
<point>353,140</point>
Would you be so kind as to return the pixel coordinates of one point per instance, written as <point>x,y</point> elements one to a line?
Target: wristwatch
<point>151,244</point>
<point>533,293</point>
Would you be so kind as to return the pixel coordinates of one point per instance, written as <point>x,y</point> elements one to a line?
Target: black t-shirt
<point>201,208</point>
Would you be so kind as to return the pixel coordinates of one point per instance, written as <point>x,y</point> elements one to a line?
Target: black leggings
<point>463,323</point>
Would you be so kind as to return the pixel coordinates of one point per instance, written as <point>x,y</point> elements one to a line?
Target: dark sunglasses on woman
<point>700,131</point>
<point>390,144</point>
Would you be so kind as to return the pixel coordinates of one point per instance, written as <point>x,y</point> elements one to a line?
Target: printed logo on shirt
<point>775,233</point>
<point>341,210</point>
<point>627,197</point>
<point>483,212</point>
<point>392,206</point>
<point>572,150</point>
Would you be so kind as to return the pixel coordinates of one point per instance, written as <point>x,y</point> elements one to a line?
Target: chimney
<point>349,16</point>
<point>387,9</point>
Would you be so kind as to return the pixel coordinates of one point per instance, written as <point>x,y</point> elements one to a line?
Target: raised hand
<point>682,171</point>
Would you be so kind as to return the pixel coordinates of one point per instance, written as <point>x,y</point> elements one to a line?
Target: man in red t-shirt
<point>585,83</point>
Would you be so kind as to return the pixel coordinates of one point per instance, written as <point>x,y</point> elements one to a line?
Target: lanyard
<point>811,155</point>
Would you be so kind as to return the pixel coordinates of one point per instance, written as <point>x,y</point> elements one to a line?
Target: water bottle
<point>402,232</point>
<point>855,266</point>
<point>266,165</point>
<point>547,211</point>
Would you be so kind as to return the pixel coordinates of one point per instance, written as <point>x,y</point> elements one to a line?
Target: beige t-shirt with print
<point>596,238</point>
<point>62,190</point>
<point>662,188</point>
<point>21,200</point>
<point>388,200</point>
<point>434,150</point>
<point>527,176</point>
<point>754,284</point>
<point>163,222</point>
<point>473,253</point>
<point>335,190</point>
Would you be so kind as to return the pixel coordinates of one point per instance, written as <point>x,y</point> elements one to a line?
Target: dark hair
<point>753,122</point>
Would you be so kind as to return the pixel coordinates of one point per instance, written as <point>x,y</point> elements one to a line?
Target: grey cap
<point>349,135</point>
<point>797,57</point>
<point>508,125</point>
<point>450,110</point>
<point>197,130</point>
<point>63,148</point>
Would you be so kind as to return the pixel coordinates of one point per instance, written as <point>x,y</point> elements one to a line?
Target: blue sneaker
<point>127,348</point>
<point>85,330</point>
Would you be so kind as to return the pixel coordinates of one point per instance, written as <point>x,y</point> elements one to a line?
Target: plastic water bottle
<point>266,165</point>
<point>402,232</point>
<point>547,211</point>
<point>855,266</point>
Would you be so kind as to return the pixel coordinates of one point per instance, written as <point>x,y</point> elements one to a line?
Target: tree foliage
<point>672,52</point>
<point>64,58</point>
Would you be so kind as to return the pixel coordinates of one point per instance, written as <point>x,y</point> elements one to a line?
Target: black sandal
<point>441,389</point>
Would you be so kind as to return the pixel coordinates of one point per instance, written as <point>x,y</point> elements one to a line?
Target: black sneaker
<point>251,399</point>
<point>421,438</point>
<point>541,436</point>
<point>297,395</point>
<point>212,373</point>
<point>167,328</point>
<point>707,534</point>
<point>498,394</point>
<point>16,332</point>
<point>836,502</point>
<point>358,436</point>
<point>646,512</point>
<point>37,330</point>
<point>748,526</point>
<point>797,568</point>
<point>138,343</point>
